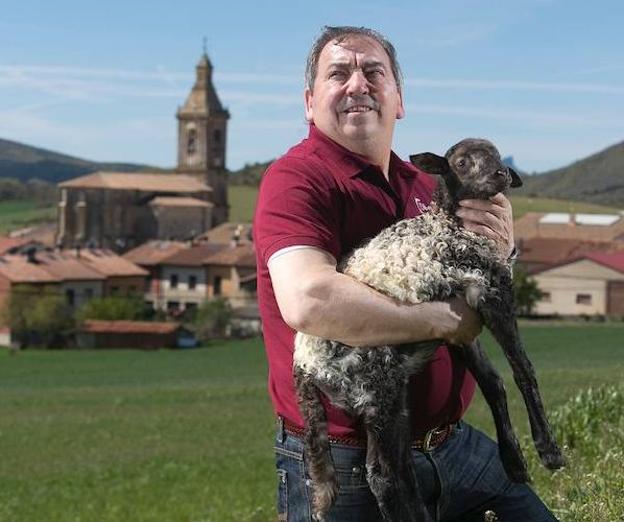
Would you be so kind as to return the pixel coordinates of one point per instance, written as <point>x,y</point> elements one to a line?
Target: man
<point>328,194</point>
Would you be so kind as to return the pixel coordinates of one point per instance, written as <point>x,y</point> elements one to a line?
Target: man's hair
<point>340,34</point>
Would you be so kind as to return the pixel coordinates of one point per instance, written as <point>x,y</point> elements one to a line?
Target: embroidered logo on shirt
<point>420,205</point>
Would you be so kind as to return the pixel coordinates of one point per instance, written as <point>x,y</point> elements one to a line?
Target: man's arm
<point>316,299</point>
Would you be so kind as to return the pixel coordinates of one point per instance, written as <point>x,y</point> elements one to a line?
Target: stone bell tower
<point>202,133</point>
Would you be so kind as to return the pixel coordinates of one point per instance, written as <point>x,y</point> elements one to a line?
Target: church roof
<point>203,99</point>
<point>144,181</point>
<point>172,201</point>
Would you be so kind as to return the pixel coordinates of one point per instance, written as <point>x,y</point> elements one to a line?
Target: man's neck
<point>378,154</point>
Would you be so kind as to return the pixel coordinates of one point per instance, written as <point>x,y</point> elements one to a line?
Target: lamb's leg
<point>499,317</point>
<point>390,471</point>
<point>493,389</point>
<point>316,446</point>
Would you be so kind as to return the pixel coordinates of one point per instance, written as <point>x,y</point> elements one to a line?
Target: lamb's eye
<point>461,163</point>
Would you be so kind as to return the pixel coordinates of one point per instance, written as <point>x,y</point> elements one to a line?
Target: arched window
<point>216,135</point>
<point>191,143</point>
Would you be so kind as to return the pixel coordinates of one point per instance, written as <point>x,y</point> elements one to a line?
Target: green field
<point>19,214</point>
<point>243,200</point>
<point>187,435</point>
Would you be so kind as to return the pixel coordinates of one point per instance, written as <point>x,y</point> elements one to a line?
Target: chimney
<point>31,255</point>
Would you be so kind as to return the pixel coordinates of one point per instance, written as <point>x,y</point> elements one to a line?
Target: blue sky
<point>543,79</point>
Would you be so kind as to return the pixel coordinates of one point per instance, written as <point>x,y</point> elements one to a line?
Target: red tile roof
<point>153,252</point>
<point>7,243</point>
<point>225,232</point>
<point>614,260</point>
<point>144,181</point>
<point>241,255</point>
<point>136,327</point>
<point>551,251</point>
<point>194,255</point>
<point>107,262</point>
<point>67,267</point>
<point>18,269</point>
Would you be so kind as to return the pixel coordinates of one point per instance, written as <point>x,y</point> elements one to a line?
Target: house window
<point>216,285</point>
<point>88,293</point>
<point>173,305</point>
<point>217,136</point>
<point>69,294</point>
<point>173,281</point>
<point>583,299</point>
<point>546,297</point>
<point>190,308</point>
<point>114,290</point>
<point>192,282</point>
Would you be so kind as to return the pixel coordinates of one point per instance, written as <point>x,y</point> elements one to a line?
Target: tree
<point>112,308</point>
<point>526,292</point>
<point>212,319</point>
<point>38,316</point>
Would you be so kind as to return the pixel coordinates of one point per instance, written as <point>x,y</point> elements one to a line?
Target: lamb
<point>426,258</point>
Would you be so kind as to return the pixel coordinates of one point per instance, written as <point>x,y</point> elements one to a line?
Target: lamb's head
<point>471,169</point>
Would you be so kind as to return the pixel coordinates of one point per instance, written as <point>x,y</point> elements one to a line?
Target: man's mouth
<point>358,108</point>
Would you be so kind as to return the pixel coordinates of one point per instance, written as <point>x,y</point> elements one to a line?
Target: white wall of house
<point>578,288</point>
<point>182,293</point>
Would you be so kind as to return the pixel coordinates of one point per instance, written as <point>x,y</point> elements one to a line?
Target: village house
<point>183,276</point>
<point>75,275</point>
<point>590,284</point>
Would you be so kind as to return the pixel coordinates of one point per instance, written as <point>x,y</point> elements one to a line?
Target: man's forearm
<point>345,310</point>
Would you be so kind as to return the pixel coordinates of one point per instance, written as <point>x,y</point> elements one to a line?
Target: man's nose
<point>357,84</point>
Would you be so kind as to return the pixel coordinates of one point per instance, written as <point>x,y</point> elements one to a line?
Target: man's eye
<point>336,75</point>
<point>375,73</point>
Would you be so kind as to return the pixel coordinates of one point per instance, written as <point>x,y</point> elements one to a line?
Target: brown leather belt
<point>424,442</point>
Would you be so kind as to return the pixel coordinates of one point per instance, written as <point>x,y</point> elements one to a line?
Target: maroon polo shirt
<point>322,195</point>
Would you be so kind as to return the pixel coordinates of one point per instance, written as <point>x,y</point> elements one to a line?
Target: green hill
<point>598,178</point>
<point>25,162</point>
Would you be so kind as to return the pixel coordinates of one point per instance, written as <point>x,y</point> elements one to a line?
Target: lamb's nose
<point>501,172</point>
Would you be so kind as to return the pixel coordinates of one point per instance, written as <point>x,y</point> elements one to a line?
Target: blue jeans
<point>459,481</point>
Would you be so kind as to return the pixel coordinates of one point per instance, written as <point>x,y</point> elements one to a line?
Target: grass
<point>187,435</point>
<point>521,205</point>
<point>243,200</point>
<point>19,213</point>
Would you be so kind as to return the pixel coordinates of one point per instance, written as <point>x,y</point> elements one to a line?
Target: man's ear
<point>309,113</point>
<point>430,163</point>
<point>516,181</point>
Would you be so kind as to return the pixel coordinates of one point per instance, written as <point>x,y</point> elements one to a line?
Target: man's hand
<point>459,324</point>
<point>490,218</point>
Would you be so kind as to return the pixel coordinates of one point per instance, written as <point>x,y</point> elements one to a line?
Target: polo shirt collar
<point>345,162</point>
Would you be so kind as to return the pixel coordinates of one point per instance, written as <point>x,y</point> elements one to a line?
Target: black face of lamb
<point>471,169</point>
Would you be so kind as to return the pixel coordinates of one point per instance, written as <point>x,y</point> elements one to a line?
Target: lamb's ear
<point>430,163</point>
<point>516,181</point>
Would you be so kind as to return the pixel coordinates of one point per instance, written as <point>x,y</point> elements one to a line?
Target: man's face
<point>355,97</point>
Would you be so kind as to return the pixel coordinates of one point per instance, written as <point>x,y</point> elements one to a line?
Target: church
<point>120,211</point>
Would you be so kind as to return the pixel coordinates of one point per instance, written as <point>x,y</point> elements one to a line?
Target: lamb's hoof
<point>324,497</point>
<point>553,460</point>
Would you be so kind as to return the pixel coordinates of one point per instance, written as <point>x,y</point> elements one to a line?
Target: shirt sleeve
<point>298,204</point>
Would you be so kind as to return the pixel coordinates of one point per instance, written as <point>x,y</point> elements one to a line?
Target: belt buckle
<point>427,441</point>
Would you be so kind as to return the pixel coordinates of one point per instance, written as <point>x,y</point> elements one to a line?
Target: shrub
<point>112,308</point>
<point>212,319</point>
